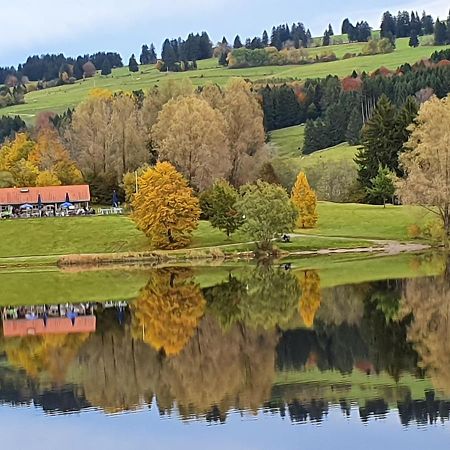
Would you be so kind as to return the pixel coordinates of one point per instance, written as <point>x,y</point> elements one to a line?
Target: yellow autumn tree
<point>310,300</point>
<point>47,178</point>
<point>305,200</point>
<point>165,208</point>
<point>167,312</point>
<point>49,155</point>
<point>51,354</point>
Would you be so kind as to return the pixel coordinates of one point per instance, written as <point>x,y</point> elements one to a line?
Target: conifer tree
<point>381,186</point>
<point>237,42</point>
<point>440,33</point>
<point>145,55</point>
<point>326,39</point>
<point>152,55</point>
<point>168,55</point>
<point>106,67</point>
<point>132,64</point>
<point>265,39</point>
<point>355,124</point>
<point>414,40</point>
<point>305,201</point>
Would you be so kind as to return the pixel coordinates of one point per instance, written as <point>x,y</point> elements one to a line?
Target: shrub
<point>414,231</point>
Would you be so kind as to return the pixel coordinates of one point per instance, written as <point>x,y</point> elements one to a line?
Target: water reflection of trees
<point>206,352</point>
<point>428,301</point>
<point>168,311</point>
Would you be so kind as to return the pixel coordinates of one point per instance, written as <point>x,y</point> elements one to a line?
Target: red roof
<point>49,195</point>
<point>57,325</point>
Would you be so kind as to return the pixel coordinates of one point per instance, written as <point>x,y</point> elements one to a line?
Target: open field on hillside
<point>63,236</point>
<point>368,221</point>
<point>288,142</point>
<point>60,98</point>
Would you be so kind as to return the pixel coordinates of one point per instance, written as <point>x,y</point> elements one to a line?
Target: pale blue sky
<point>84,26</point>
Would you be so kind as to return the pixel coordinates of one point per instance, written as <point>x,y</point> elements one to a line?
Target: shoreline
<point>207,254</point>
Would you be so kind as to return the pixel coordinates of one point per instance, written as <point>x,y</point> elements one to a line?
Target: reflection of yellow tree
<point>51,354</point>
<point>166,315</point>
<point>310,299</point>
<point>428,299</point>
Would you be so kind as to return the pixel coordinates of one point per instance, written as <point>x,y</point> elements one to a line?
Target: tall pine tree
<point>132,64</point>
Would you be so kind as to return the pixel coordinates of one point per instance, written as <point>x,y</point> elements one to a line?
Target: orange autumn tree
<point>305,200</point>
<point>51,354</point>
<point>165,208</point>
<point>168,312</point>
<point>311,297</point>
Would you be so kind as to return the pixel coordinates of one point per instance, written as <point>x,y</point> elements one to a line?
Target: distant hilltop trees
<point>178,54</point>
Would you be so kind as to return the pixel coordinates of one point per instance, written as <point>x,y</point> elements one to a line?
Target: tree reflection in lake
<point>265,339</point>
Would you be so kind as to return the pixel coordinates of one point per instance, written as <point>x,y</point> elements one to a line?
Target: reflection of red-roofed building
<point>53,325</point>
<point>443,63</point>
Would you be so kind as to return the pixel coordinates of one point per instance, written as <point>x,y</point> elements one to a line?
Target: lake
<point>328,352</point>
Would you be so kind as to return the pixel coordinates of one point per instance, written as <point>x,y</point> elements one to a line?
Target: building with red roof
<point>51,195</point>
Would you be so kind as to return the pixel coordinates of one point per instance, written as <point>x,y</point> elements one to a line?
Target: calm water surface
<point>353,355</point>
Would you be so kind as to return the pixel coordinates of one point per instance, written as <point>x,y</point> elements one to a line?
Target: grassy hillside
<point>368,221</point>
<point>60,98</point>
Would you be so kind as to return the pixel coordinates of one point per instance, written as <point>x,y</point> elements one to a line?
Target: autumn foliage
<point>168,312</point>
<point>311,296</point>
<point>305,200</point>
<point>165,208</point>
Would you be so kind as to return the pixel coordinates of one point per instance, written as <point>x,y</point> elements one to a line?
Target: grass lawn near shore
<point>115,234</point>
<point>368,221</point>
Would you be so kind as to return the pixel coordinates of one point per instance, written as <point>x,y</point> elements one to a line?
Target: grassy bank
<point>117,234</point>
<point>60,98</point>
<point>368,221</point>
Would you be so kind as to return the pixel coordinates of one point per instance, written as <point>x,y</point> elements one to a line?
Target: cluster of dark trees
<point>391,123</point>
<point>406,25</point>
<point>441,55</point>
<point>342,115</point>
<point>148,55</point>
<point>195,47</point>
<point>442,32</point>
<point>361,32</point>
<point>334,114</point>
<point>9,126</point>
<point>51,67</point>
<point>282,36</point>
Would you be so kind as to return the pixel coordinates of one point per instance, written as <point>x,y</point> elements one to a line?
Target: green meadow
<point>60,98</point>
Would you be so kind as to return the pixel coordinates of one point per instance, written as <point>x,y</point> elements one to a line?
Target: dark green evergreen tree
<point>145,55</point>
<point>168,55</point>
<point>265,39</point>
<point>106,67</point>
<point>427,23</point>
<point>354,128</point>
<point>378,143</point>
<point>152,55</point>
<point>440,33</point>
<point>326,40</point>
<point>223,58</point>
<point>330,30</point>
<point>132,64</point>
<point>346,26</point>
<point>388,25</point>
<point>414,40</point>
<point>237,42</point>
